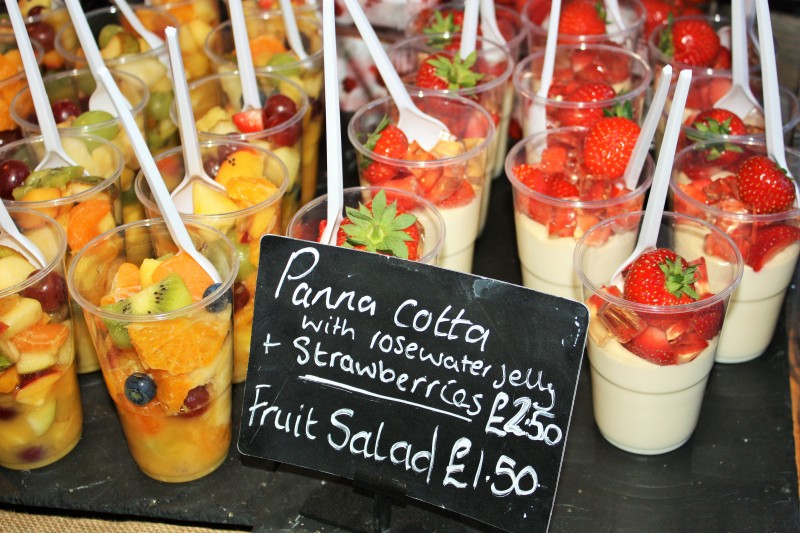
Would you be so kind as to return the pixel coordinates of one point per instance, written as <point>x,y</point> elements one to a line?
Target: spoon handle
<point>489,23</point>
<point>244,59</point>
<point>739,68</point>
<point>334,141</point>
<point>769,77</point>
<point>537,117</point>
<point>292,32</point>
<point>24,245</point>
<point>469,28</point>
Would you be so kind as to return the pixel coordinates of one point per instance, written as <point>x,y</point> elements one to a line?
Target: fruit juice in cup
<point>278,126</point>
<point>123,50</point>
<point>449,17</point>
<point>164,338</point>
<point>651,350</point>
<point>762,220</point>
<point>557,199</point>
<point>12,81</point>
<point>581,22</point>
<point>272,55</point>
<point>43,20</point>
<point>484,78</point>
<point>452,175</point>
<point>426,232</point>
<point>255,180</point>
<point>197,18</point>
<point>40,407</point>
<point>69,94</point>
<point>589,81</point>
<point>84,199</point>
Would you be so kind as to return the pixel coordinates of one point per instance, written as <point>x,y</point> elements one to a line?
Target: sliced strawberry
<point>532,176</point>
<point>652,345</point>
<point>708,322</point>
<point>769,242</point>
<point>687,347</point>
<point>553,159</point>
<point>249,121</point>
<point>408,183</point>
<point>462,196</point>
<point>378,173</point>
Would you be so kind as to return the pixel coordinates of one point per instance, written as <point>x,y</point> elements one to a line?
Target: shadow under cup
<point>646,401</point>
<point>169,373</point>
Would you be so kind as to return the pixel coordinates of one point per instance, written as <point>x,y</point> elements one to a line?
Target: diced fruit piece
<point>249,191</point>
<point>14,269</point>
<point>127,282</point>
<point>9,380</point>
<point>189,271</point>
<point>146,271</point>
<point>249,121</point>
<point>35,388</point>
<point>240,163</point>
<point>52,177</point>
<point>5,362</point>
<point>31,362</point>
<point>41,418</point>
<point>92,117</point>
<point>84,222</point>
<point>769,242</point>
<point>41,338</point>
<point>652,345</point>
<point>688,346</point>
<point>140,389</point>
<point>50,291</point>
<point>708,322</point>
<point>623,323</point>
<point>27,313</point>
<point>106,33</point>
<point>208,201</point>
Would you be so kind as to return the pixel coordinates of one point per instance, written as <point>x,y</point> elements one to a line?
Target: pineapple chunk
<point>27,313</point>
<point>13,270</point>
<point>208,201</point>
<point>211,118</point>
<point>146,271</point>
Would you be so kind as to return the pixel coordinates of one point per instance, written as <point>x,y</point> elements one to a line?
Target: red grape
<point>279,103</point>
<point>197,401</point>
<point>240,296</point>
<point>287,136</point>
<point>51,291</point>
<point>12,174</point>
<point>9,136</point>
<point>64,109</point>
<point>44,33</point>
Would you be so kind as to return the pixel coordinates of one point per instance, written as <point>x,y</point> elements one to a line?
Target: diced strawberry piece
<point>249,121</point>
<point>623,323</point>
<point>444,187</point>
<point>562,223</point>
<point>427,177</point>
<point>771,241</point>
<point>538,210</point>
<point>708,322</point>
<point>652,345</point>
<point>553,159</point>
<point>561,187</point>
<point>406,183</point>
<point>677,328</point>
<point>701,275</point>
<point>687,347</point>
<point>378,173</point>
<point>532,176</point>
<point>726,188</point>
<point>462,196</point>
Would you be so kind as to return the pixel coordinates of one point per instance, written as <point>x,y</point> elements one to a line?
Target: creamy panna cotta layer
<point>547,262</point>
<point>644,408</point>
<point>461,230</point>
<point>756,304</point>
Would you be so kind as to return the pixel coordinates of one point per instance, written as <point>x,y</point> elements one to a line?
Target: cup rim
<point>561,202</point>
<point>426,204</point>
<point>147,203</point>
<point>40,273</point>
<point>716,212</point>
<point>147,224</point>
<point>298,117</point>
<point>536,30</point>
<point>56,5</point>
<point>130,78</point>
<point>647,308</point>
<point>472,152</point>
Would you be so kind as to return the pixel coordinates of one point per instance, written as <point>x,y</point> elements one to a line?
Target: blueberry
<point>140,388</point>
<point>221,302</point>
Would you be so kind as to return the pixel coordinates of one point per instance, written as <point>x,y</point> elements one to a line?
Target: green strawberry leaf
<point>380,229</point>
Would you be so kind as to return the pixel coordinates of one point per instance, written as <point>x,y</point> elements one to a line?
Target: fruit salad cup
<point>255,181</point>
<point>585,22</point>
<point>84,199</point>
<point>40,407</point>
<point>452,176</point>
<point>69,94</point>
<point>302,8</point>
<point>162,330</point>
<point>651,345</point>
<point>43,20</point>
<point>278,126</point>
<point>123,50</point>
<point>449,18</point>
<point>425,231</point>
<point>197,18</point>
<point>272,55</point>
<point>12,81</point>
<point>557,199</point>
<point>588,82</point>
<point>748,197</point>
<point>484,78</point>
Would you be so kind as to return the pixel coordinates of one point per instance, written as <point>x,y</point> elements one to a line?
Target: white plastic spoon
<point>469,28</point>
<point>150,170</point>
<point>618,23</point>
<point>642,146</point>
<point>11,237</point>
<point>247,74</point>
<point>292,32</point>
<point>418,126</point>
<point>739,99</point>
<point>651,221</point>
<point>149,37</point>
<point>489,25</point>
<point>537,118</point>
<point>333,133</point>
<point>99,99</point>
<point>183,194</point>
<point>54,155</point>
<point>773,123</point>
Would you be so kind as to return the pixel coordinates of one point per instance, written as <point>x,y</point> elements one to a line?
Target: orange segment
<point>180,345</point>
<point>187,268</point>
<point>171,391</point>
<point>249,191</point>
<point>83,221</point>
<point>263,46</point>
<point>9,379</point>
<point>126,282</point>
<point>41,338</point>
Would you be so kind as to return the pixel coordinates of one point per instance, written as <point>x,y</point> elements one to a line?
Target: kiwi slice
<point>169,294</point>
<point>48,177</point>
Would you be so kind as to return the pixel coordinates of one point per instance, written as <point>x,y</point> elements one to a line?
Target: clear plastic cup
<point>494,91</point>
<point>13,81</point>
<point>702,188</point>
<point>536,15</point>
<point>168,372</point>
<point>197,18</point>
<point>309,221</point>
<point>267,29</point>
<point>626,72</point>
<point>243,224</point>
<point>548,227</point>
<point>160,133</point>
<point>452,176</point>
<point>217,97</point>
<point>41,416</point>
<point>643,403</point>
<point>43,24</point>
<point>84,208</point>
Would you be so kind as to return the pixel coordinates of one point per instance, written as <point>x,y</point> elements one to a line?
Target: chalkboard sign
<point>449,388</point>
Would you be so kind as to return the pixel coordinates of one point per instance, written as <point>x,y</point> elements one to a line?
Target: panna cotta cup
<point>707,189</point>
<point>494,91</point>
<point>306,224</point>
<point>452,175</point>
<point>549,227</point>
<point>626,72</point>
<point>642,406</point>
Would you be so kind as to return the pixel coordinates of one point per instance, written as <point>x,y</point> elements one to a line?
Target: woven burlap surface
<point>13,522</point>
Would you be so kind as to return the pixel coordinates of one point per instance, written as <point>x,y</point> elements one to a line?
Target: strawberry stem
<point>679,280</point>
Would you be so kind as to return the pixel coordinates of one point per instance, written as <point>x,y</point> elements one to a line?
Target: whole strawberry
<point>691,41</point>
<point>608,146</point>
<point>658,12</point>
<point>445,73</point>
<point>764,185</point>
<point>582,17</point>
<point>717,122</point>
<point>660,277</point>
